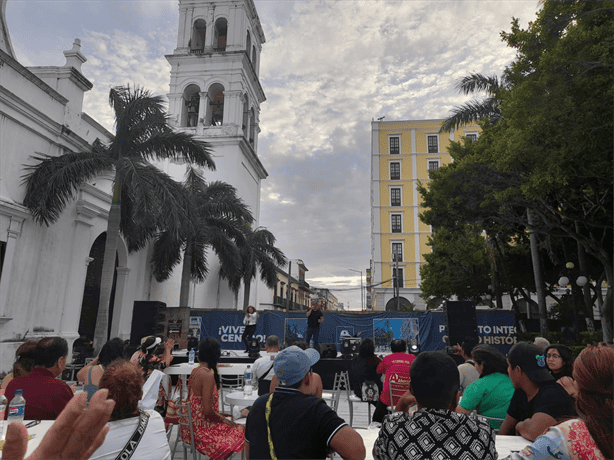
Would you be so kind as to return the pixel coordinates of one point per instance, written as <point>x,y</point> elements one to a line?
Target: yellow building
<point>402,155</point>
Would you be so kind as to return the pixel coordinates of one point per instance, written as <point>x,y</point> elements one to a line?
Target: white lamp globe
<point>563,281</point>
<point>581,281</point>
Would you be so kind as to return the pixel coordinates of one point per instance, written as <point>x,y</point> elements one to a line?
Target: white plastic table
<point>37,431</point>
<point>237,398</point>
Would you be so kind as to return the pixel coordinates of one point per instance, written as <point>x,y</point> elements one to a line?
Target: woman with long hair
<point>364,367</point>
<point>24,362</point>
<point>214,435</point>
<point>90,375</point>
<point>590,436</point>
<point>249,321</point>
<point>491,393</point>
<point>559,361</point>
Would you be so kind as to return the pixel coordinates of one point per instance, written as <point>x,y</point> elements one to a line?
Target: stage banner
<point>495,328</point>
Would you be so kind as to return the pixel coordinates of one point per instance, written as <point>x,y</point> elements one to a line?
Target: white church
<point>50,276</point>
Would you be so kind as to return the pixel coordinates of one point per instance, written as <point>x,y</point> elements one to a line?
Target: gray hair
<point>541,342</point>
<point>272,341</point>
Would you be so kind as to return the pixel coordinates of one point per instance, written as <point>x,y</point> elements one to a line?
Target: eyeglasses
<point>553,356</point>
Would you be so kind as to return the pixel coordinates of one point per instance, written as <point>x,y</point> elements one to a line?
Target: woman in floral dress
<point>214,435</point>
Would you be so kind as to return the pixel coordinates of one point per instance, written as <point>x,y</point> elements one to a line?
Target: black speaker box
<point>148,318</point>
<point>462,322</point>
<point>328,350</point>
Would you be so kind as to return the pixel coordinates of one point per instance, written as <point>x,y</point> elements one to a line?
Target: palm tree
<point>219,216</point>
<point>489,109</point>
<point>258,254</point>
<point>145,200</point>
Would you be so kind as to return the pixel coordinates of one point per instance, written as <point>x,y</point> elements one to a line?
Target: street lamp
<point>362,307</point>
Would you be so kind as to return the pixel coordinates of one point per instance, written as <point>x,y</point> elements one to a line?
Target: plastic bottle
<point>248,376</point>
<point>191,355</point>
<point>3,404</point>
<point>17,408</point>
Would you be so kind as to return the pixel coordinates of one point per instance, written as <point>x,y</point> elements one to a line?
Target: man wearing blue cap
<point>293,423</point>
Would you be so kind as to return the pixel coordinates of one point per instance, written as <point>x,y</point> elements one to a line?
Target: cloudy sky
<point>328,68</point>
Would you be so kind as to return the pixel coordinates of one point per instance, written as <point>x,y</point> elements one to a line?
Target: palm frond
<point>166,254</point>
<point>478,82</point>
<point>54,181</point>
<point>471,112</point>
<point>175,146</point>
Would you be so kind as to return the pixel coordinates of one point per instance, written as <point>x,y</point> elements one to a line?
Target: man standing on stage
<point>314,318</point>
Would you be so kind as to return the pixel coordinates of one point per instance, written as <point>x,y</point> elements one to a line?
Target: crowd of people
<point>562,407</point>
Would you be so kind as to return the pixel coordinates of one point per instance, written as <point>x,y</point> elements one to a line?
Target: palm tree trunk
<point>108,270</point>
<point>539,283</point>
<point>246,291</point>
<point>186,270</point>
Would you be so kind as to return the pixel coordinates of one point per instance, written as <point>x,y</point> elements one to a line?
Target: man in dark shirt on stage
<point>538,400</point>
<point>291,422</point>
<point>45,395</point>
<point>314,318</point>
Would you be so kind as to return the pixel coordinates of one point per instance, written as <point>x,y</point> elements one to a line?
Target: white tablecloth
<point>38,431</point>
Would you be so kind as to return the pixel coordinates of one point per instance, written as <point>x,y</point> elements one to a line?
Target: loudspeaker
<point>328,350</point>
<point>254,348</point>
<point>462,322</point>
<point>350,346</point>
<point>148,318</point>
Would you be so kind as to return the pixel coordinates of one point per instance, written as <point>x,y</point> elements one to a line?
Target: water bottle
<point>3,403</point>
<point>17,408</point>
<point>191,357</point>
<point>248,376</point>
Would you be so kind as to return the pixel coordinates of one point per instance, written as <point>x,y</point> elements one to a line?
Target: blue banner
<point>495,328</point>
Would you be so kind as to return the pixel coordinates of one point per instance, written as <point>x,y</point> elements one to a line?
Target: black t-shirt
<point>312,319</point>
<point>302,426</point>
<point>551,399</point>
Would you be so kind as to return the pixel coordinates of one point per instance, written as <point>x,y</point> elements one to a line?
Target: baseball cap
<point>531,360</point>
<point>292,364</point>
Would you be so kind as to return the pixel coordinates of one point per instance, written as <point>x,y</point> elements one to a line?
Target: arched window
<point>248,44</point>
<point>252,126</point>
<point>191,104</point>
<point>245,115</point>
<point>215,111</point>
<point>221,30</point>
<point>197,42</point>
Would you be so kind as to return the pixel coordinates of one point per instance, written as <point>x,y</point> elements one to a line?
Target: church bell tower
<point>215,94</point>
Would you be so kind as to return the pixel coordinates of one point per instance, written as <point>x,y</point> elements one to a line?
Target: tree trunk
<point>101,334</point>
<point>537,274</point>
<point>587,304</point>
<point>246,292</point>
<point>607,317</point>
<point>186,275</point>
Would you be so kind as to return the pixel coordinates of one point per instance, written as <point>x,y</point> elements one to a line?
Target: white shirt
<point>250,319</point>
<point>261,365</point>
<point>153,444</point>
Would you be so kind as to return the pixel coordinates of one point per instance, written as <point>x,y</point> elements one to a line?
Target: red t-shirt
<point>45,395</point>
<point>394,364</point>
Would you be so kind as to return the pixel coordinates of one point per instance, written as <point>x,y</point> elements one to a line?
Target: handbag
<point>370,391</point>
<point>172,409</point>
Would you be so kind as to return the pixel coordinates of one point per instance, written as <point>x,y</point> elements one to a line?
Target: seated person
<point>591,436</point>
<point>90,375</point>
<point>291,422</point>
<point>491,393</point>
<point>123,380</point>
<point>316,381</point>
<point>434,430</point>
<point>538,400</point>
<point>263,367</point>
<point>467,370</point>
<point>560,364</point>
<point>364,368</point>
<point>45,395</point>
<point>24,362</point>
<point>395,365</point>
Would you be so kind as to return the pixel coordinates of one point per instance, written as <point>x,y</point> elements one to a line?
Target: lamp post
<point>362,307</point>
<point>580,281</point>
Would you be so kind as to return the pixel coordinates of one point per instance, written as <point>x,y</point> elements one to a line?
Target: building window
<point>394,145</point>
<point>397,250</point>
<point>472,136</point>
<point>395,196</point>
<point>433,166</point>
<point>221,30</point>
<point>432,143</point>
<point>397,277</point>
<point>395,171</point>
<point>395,223</point>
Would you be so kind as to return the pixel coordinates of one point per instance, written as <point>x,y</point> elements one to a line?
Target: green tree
<point>144,199</point>
<point>258,254</point>
<point>220,217</point>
